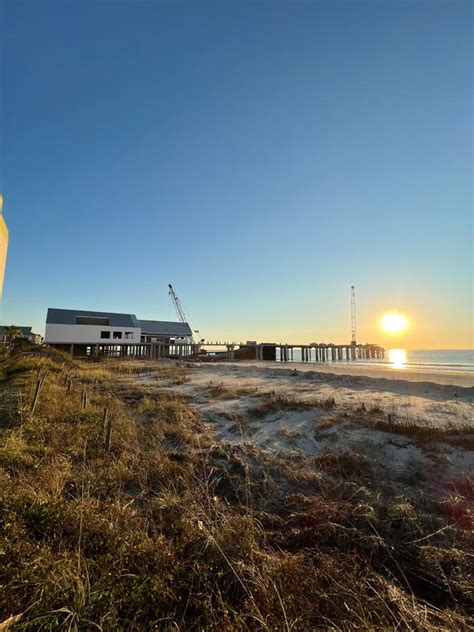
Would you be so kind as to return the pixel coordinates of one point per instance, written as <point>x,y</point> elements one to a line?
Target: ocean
<point>435,360</point>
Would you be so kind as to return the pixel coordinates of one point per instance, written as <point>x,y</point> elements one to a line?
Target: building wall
<point>166,339</point>
<point>3,249</point>
<point>88,334</point>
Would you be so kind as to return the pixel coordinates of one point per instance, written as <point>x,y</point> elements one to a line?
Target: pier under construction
<point>268,351</point>
<point>97,334</point>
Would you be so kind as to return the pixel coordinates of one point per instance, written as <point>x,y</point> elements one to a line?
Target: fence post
<point>84,398</point>
<point>39,386</point>
<point>108,435</point>
<point>104,420</point>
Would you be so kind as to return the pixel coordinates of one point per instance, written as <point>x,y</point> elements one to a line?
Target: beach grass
<point>139,518</point>
<point>273,403</point>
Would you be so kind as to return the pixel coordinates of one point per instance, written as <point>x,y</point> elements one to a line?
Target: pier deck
<point>314,352</point>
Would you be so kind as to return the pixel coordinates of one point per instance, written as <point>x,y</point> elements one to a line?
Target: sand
<point>456,378</point>
<point>225,393</point>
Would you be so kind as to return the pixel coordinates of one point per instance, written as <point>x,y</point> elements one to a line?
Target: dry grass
<point>462,436</point>
<point>172,530</point>
<point>273,403</point>
<point>219,391</point>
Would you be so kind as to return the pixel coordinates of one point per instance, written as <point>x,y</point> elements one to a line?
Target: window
<point>105,334</point>
<point>91,320</point>
<point>117,335</point>
<point>129,335</point>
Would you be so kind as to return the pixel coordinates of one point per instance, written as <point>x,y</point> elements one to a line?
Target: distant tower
<point>353,315</point>
<point>3,246</point>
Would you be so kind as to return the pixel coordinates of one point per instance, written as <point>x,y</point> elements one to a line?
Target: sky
<point>260,156</point>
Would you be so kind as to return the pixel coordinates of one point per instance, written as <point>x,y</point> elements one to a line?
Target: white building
<point>165,331</point>
<point>79,331</point>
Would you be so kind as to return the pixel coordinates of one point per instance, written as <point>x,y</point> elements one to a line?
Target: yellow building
<point>3,246</point>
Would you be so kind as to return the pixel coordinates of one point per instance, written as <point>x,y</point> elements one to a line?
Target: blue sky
<point>262,157</point>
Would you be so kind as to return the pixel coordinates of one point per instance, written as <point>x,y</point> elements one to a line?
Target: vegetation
<point>12,332</point>
<point>273,403</point>
<point>138,519</point>
<point>219,391</point>
<point>459,434</point>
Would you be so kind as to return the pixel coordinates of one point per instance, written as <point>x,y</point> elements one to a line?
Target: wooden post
<point>108,434</point>
<point>84,398</point>
<point>105,421</point>
<point>39,386</point>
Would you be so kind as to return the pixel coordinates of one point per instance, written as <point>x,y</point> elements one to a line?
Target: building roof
<point>165,328</point>
<point>69,317</point>
<point>150,327</point>
<point>25,331</point>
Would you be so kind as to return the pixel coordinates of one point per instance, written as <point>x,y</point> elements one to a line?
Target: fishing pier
<point>110,334</point>
<point>277,352</point>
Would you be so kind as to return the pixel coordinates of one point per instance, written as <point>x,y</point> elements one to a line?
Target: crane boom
<point>177,304</point>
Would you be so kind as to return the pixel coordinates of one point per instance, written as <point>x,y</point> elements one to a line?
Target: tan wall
<point>3,251</point>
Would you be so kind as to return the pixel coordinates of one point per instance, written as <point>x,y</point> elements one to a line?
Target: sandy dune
<point>226,395</point>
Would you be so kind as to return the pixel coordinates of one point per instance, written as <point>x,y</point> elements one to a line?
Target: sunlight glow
<point>394,323</point>
<point>397,358</point>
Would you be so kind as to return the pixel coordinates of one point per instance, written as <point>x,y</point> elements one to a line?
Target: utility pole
<point>353,315</point>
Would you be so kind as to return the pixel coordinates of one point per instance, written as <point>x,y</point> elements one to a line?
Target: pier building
<point>87,333</point>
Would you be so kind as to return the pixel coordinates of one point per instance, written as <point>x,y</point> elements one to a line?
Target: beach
<point>387,371</point>
<point>382,413</point>
<point>249,476</point>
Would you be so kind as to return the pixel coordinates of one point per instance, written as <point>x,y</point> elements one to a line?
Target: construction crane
<point>183,318</point>
<point>177,305</point>
<point>353,315</point>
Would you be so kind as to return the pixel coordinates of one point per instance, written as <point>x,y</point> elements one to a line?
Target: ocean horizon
<point>432,360</point>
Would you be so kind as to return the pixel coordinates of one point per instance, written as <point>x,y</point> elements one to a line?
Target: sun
<point>394,323</point>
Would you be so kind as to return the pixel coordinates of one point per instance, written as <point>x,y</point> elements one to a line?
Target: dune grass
<point>454,434</point>
<point>169,529</point>
<point>220,391</point>
<point>272,403</point>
